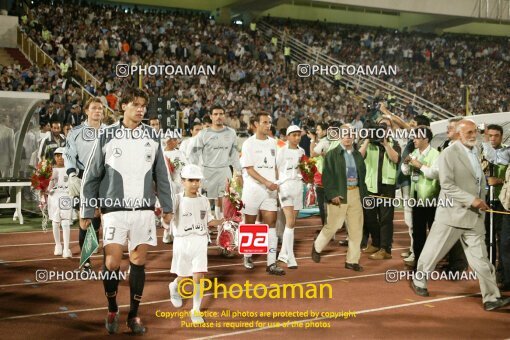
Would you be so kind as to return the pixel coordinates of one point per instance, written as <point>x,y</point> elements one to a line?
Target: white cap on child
<point>191,171</point>
<point>59,150</point>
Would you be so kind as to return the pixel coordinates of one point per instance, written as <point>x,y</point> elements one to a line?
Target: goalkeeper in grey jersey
<point>217,147</point>
<point>79,144</point>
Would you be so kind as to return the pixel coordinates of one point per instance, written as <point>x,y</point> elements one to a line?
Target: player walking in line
<point>216,145</point>
<point>124,167</point>
<point>260,188</point>
<point>79,144</point>
<point>290,192</point>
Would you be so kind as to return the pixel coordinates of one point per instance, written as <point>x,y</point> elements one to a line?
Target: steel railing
<point>366,85</point>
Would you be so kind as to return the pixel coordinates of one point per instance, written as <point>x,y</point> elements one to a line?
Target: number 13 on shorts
<point>253,238</point>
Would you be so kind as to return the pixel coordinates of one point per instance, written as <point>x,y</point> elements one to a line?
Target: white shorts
<point>59,207</point>
<point>189,255</point>
<point>291,194</point>
<point>256,198</point>
<point>215,181</point>
<point>137,227</point>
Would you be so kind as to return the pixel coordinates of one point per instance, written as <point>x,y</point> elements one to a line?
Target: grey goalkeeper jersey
<point>79,144</point>
<point>217,148</point>
<point>124,168</point>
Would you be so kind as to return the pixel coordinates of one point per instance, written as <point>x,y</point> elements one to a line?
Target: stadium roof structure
<point>484,17</point>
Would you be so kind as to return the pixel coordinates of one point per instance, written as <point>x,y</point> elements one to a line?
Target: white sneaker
<point>195,316</point>
<point>58,250</point>
<point>292,263</point>
<point>410,258</point>
<point>67,254</point>
<point>283,258</point>
<point>175,297</point>
<point>167,238</point>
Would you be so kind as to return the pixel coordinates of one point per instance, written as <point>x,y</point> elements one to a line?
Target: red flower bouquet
<point>232,203</point>
<point>42,176</point>
<point>307,168</point>
<point>41,179</point>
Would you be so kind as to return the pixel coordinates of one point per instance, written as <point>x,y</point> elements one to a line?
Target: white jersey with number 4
<point>261,155</point>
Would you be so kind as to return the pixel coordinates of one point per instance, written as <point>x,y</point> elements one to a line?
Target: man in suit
<point>343,177</point>
<point>463,182</point>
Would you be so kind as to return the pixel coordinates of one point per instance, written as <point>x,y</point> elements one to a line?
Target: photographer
<point>381,159</point>
<point>422,168</point>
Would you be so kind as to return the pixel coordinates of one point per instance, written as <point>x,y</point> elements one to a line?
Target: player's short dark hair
<point>55,121</point>
<point>131,93</point>
<point>422,120</point>
<point>424,130</point>
<point>217,107</point>
<point>283,132</point>
<point>273,130</point>
<point>153,118</point>
<point>207,119</point>
<point>261,114</point>
<point>495,127</point>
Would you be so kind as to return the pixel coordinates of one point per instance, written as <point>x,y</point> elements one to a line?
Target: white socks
<point>287,251</point>
<point>66,232</point>
<point>56,232</point>
<point>273,244</point>
<point>197,298</point>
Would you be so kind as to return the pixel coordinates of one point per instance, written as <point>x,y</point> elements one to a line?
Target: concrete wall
<point>493,9</point>
<point>8,32</point>
<point>381,20</point>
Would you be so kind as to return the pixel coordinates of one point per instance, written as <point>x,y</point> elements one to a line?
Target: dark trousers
<point>423,217</point>
<point>378,222</point>
<point>321,200</point>
<point>505,250</point>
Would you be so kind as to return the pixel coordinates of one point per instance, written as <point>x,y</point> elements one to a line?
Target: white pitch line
<point>366,311</point>
<point>162,271</point>
<point>166,300</point>
<point>31,244</point>
<point>100,255</point>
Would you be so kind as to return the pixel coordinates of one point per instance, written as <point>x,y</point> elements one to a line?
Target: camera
<point>375,132</point>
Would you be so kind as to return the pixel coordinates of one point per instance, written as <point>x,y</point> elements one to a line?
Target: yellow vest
<point>389,169</point>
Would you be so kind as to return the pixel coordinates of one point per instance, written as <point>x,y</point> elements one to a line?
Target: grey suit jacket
<point>458,184</point>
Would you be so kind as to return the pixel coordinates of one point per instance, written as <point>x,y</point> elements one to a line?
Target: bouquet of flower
<point>311,196</point>
<point>175,165</point>
<point>227,237</point>
<point>42,176</point>
<point>307,168</point>
<point>232,203</point>
<point>40,179</point>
